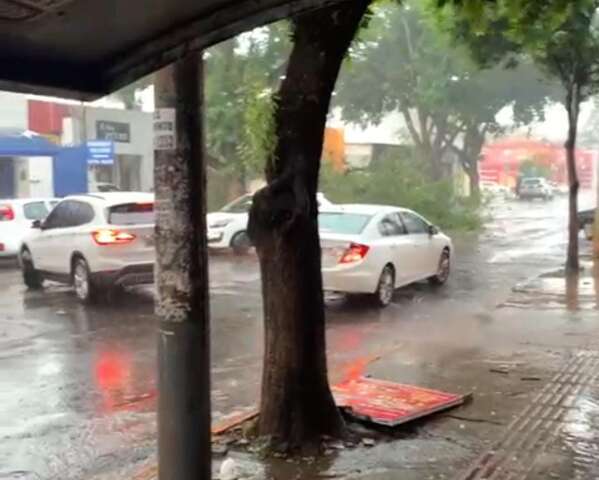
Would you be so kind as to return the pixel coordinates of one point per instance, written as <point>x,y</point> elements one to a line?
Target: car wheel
<point>443,270</point>
<point>84,288</point>
<point>386,287</point>
<point>241,243</point>
<point>31,277</point>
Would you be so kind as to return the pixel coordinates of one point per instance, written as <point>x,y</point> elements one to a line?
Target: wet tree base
<point>243,437</point>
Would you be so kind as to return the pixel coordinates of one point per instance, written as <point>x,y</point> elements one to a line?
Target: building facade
<point>70,127</point>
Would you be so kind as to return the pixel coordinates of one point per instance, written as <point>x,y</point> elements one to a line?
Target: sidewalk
<point>556,435</point>
<point>533,369</point>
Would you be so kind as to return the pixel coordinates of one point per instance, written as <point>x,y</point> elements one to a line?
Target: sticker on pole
<point>390,404</point>
<point>165,123</point>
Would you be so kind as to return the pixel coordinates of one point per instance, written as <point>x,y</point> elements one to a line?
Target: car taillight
<point>6,213</point>
<point>112,237</point>
<point>354,253</point>
<point>2,247</point>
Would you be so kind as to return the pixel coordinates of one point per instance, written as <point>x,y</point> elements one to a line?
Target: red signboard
<point>388,403</point>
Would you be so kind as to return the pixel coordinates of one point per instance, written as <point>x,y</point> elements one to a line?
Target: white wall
<point>358,155</point>
<point>13,111</point>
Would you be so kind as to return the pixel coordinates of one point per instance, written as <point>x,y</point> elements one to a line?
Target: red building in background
<point>46,118</point>
<point>501,161</point>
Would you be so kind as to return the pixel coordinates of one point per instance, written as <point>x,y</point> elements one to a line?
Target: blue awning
<point>24,143</point>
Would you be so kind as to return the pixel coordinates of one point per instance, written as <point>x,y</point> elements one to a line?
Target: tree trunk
<point>432,161</point>
<point>473,178</point>
<point>473,144</point>
<point>572,107</point>
<point>297,407</point>
<point>184,449</point>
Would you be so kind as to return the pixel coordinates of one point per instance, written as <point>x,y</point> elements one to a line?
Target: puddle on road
<point>558,290</point>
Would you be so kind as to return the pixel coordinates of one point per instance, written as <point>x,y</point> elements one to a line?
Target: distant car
<point>495,189</point>
<point>373,249</point>
<point>94,242</point>
<point>535,187</point>
<point>227,228</point>
<point>559,189</point>
<point>16,216</point>
<point>103,187</point>
<point>586,222</point>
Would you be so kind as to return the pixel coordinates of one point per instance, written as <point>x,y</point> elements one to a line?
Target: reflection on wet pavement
<point>78,387</point>
<point>556,289</point>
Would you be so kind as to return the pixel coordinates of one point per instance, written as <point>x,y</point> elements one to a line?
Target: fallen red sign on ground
<point>390,404</point>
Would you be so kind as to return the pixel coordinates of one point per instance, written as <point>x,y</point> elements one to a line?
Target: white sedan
<point>373,249</point>
<point>16,216</point>
<point>227,228</point>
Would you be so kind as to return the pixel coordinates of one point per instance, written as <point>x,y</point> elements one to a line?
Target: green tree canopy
<point>406,62</point>
<point>561,37</point>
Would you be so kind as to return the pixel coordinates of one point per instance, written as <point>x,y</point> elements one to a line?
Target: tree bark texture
<point>474,179</point>
<point>184,449</point>
<point>572,107</point>
<point>296,405</point>
<point>468,156</point>
<point>474,140</point>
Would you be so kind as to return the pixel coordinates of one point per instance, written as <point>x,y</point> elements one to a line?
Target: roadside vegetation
<point>401,181</point>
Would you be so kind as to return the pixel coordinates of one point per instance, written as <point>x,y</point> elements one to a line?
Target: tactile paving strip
<point>514,456</point>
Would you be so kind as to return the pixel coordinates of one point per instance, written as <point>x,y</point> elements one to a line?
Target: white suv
<point>532,188</point>
<point>95,242</point>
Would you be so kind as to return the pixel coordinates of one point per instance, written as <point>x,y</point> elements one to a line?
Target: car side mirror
<point>432,230</point>
<point>36,224</point>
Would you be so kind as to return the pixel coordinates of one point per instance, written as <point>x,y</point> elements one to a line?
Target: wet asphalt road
<point>78,386</point>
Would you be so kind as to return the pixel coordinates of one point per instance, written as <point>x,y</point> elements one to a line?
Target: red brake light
<point>112,237</point>
<point>2,247</point>
<point>354,253</point>
<point>6,213</point>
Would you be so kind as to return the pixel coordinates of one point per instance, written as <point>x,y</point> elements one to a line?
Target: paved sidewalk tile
<point>557,434</point>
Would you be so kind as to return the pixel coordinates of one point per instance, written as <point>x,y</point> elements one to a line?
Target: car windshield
<point>344,223</point>
<point>131,214</point>
<point>241,205</point>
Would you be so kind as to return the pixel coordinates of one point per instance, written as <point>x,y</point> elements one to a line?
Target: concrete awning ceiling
<point>88,48</point>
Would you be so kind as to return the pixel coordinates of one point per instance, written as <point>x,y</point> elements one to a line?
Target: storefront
<point>131,134</point>
<point>33,166</point>
<point>131,167</point>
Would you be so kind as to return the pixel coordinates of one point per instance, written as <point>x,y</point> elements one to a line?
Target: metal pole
<point>596,219</point>
<point>184,449</point>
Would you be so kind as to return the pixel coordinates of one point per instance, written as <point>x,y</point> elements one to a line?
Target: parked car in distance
<point>95,242</point>
<point>535,187</point>
<point>103,187</point>
<point>16,216</point>
<point>586,222</point>
<point>559,189</point>
<point>494,189</point>
<point>374,249</point>
<point>227,228</point>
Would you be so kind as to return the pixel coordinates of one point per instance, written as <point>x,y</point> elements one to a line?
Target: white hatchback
<point>227,228</point>
<point>16,216</point>
<point>95,242</point>
<point>373,249</point>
